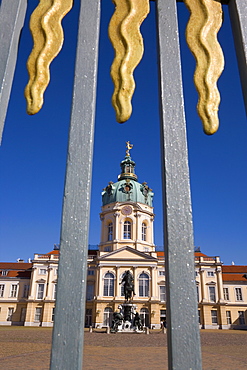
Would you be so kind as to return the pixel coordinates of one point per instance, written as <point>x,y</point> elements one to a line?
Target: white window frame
<point>39,291</point>
<point>4,272</point>
<point>42,271</point>
<point>143,285</point>
<point>37,314</point>
<point>107,319</point>
<point>226,293</point>
<point>162,294</point>
<point>54,290</point>
<point>2,288</point>
<point>109,285</point>
<point>214,317</point>
<point>238,294</point>
<point>13,291</point>
<point>228,317</point>
<point>10,313</point>
<point>127,229</point>
<point>144,232</point>
<point>209,293</point>
<point>162,273</point>
<point>210,273</point>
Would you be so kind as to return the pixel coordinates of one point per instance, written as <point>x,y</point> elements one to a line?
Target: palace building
<point>28,290</point>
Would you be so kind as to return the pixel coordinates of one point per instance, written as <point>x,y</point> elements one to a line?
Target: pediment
<point>127,253</point>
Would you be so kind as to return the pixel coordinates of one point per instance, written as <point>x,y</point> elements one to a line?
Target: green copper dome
<point>127,188</point>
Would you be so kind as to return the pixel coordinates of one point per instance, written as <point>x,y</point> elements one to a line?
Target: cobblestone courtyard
<point>29,348</point>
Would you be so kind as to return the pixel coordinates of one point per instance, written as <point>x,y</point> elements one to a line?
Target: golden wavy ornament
<point>201,35</point>
<point>125,36</point>
<point>47,33</point>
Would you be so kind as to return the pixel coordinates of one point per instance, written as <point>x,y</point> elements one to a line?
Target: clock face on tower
<point>126,210</point>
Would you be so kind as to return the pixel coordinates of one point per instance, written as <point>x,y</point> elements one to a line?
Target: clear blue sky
<point>33,152</point>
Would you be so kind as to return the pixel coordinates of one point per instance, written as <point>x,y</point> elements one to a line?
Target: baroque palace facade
<point>28,290</point>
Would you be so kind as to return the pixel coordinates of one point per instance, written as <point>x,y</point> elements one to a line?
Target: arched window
<point>108,285</point>
<point>144,231</point>
<point>127,230</point>
<point>110,231</point>
<point>107,316</point>
<point>144,316</point>
<point>143,285</point>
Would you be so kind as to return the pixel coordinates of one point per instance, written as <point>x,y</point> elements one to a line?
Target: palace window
<point>210,273</point>
<point>212,295</point>
<point>144,313</point>
<point>107,316</point>
<point>226,294</point>
<point>42,271</point>
<point>25,291</point>
<point>90,272</point>
<point>162,293</point>
<point>53,314</point>
<point>4,272</point>
<point>38,312</point>
<point>199,316</point>
<point>90,292</point>
<point>55,291</point>
<point>228,317</point>
<point>162,273</point>
<point>2,286</point>
<point>108,285</point>
<point>10,313</point>
<point>238,292</point>
<point>144,231</point>
<point>241,319</point>
<point>13,291</point>
<point>197,293</point>
<point>40,291</point>
<point>143,285</point>
<point>127,230</point>
<point>214,317</point>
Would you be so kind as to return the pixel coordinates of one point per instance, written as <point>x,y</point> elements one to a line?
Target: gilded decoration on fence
<point>125,36</point>
<point>201,34</point>
<point>47,33</point>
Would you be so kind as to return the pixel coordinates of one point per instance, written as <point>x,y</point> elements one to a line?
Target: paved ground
<point>29,348</point>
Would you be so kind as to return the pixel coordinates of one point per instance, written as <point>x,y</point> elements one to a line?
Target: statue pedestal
<point>129,324</point>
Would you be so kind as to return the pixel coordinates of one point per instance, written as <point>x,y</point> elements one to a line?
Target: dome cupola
<point>127,189</point>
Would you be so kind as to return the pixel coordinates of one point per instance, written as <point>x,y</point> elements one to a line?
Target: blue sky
<point>33,151</point>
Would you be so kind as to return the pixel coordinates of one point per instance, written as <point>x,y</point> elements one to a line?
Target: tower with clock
<point>127,212</point>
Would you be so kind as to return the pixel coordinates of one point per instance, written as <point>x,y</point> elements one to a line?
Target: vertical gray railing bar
<point>68,332</point>
<point>184,350</point>
<point>12,15</point>
<point>238,15</point>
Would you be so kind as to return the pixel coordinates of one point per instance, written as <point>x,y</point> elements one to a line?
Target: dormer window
<point>4,272</point>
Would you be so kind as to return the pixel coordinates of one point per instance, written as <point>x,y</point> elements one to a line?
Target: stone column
<point>117,286</point>
<point>219,285</point>
<point>135,281</point>
<point>153,284</point>
<point>202,285</point>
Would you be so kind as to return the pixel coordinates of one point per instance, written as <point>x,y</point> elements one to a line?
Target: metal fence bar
<point>238,16</point>
<point>67,345</point>
<point>184,350</point>
<point>12,15</point>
